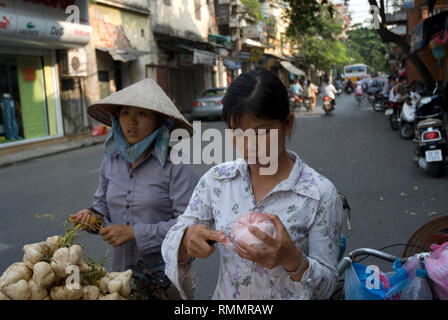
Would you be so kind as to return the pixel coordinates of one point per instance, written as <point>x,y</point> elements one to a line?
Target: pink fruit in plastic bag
<point>241,233</point>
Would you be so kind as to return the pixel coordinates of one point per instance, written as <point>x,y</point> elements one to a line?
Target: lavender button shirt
<point>149,198</point>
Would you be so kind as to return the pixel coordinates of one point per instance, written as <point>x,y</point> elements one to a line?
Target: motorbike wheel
<point>436,169</point>
<point>376,107</point>
<point>393,121</point>
<point>406,132</point>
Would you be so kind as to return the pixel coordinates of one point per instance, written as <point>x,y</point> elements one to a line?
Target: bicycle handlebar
<point>346,262</point>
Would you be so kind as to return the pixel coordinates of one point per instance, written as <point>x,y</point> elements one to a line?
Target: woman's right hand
<point>198,242</point>
<point>84,218</point>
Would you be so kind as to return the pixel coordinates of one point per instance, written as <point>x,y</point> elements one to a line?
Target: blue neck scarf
<point>117,142</point>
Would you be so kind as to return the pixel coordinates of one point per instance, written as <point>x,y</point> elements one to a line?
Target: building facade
<point>31,35</point>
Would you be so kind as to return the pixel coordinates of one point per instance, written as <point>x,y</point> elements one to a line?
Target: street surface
<point>354,147</point>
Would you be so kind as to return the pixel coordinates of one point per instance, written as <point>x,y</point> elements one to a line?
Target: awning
<point>291,68</point>
<point>204,57</point>
<point>253,43</point>
<point>124,55</point>
<point>231,64</point>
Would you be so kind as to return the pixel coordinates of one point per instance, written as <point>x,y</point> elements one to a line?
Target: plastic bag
<point>437,267</point>
<point>368,283</point>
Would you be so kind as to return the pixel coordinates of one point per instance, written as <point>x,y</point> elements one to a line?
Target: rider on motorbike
<point>330,92</point>
<point>297,88</point>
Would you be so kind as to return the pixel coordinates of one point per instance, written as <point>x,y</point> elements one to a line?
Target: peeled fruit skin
<point>64,293</point>
<point>241,233</point>
<point>43,274</point>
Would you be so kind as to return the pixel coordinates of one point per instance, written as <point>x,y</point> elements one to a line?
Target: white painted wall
<point>180,16</point>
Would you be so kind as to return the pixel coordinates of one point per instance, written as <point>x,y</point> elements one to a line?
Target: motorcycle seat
<point>431,122</point>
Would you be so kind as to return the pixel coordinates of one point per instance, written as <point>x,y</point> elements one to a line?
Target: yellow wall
<point>50,94</point>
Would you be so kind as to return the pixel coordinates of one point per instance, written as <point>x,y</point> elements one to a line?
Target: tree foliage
<point>365,46</point>
<point>314,29</point>
<point>254,8</point>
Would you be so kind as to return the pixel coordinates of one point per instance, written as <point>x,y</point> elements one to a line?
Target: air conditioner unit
<point>74,63</point>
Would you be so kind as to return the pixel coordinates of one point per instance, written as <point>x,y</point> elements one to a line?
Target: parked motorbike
<point>371,94</point>
<point>407,116</point>
<point>348,89</point>
<point>431,141</point>
<point>338,87</point>
<point>328,105</point>
<point>379,102</point>
<point>393,110</point>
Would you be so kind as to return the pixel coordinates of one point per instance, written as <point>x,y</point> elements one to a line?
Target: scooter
<point>407,116</point>
<point>371,94</point>
<point>379,102</point>
<point>393,110</point>
<point>328,105</point>
<point>294,102</point>
<point>431,141</point>
<point>307,103</point>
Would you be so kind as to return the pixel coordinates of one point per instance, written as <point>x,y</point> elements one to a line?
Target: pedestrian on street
<point>141,192</point>
<point>300,262</point>
<point>312,91</point>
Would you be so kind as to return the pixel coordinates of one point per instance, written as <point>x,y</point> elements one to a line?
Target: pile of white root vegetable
<point>43,274</point>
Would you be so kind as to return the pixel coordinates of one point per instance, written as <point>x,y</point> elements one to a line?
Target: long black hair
<point>257,92</point>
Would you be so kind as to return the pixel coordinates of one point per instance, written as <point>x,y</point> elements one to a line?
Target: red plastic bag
<point>437,267</point>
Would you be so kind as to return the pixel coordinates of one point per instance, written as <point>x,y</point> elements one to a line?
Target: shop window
<point>11,124</point>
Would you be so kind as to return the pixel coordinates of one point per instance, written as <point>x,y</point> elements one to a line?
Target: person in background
<point>330,91</point>
<point>140,192</point>
<point>297,88</point>
<point>312,92</point>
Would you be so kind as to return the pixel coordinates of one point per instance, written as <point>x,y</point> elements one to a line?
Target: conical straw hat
<point>434,231</point>
<point>143,94</point>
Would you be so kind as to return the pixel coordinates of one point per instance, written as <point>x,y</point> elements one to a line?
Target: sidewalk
<point>50,148</point>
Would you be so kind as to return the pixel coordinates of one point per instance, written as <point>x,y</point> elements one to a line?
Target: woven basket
<point>434,231</point>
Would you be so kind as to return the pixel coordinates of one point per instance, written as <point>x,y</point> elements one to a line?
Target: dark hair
<point>258,92</point>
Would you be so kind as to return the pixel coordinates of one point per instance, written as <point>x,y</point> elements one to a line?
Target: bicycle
<point>434,231</point>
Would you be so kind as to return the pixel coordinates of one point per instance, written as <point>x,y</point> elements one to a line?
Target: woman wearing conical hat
<point>141,192</point>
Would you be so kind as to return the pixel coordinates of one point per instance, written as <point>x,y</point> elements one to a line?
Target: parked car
<point>208,105</point>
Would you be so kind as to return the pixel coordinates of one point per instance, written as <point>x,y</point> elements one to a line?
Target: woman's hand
<point>117,234</point>
<point>86,219</point>
<point>278,251</point>
<point>198,242</point>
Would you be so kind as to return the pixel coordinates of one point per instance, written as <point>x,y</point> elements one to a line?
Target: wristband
<point>299,268</point>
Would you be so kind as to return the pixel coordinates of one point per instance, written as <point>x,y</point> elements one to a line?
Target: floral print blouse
<point>307,204</point>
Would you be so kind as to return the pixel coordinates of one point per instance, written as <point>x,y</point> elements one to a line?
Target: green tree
<point>366,47</point>
<point>314,29</point>
<point>253,7</point>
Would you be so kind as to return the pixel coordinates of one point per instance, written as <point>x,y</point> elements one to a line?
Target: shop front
<point>31,32</point>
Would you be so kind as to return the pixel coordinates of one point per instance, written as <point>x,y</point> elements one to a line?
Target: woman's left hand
<point>278,251</point>
<point>117,234</point>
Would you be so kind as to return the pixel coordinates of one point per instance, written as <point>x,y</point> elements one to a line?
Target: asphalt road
<point>354,147</point>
